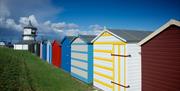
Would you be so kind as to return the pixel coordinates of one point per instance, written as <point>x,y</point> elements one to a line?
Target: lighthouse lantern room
<point>29,32</point>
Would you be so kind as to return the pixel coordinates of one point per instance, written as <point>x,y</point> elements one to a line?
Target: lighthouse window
<point>33,32</point>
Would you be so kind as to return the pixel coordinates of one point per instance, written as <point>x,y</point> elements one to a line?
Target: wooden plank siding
<point>161,61</point>
<point>56,53</point>
<point>116,73</point>
<point>44,50</point>
<point>66,55</point>
<point>82,60</point>
<point>49,52</point>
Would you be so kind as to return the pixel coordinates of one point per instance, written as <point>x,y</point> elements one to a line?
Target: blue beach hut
<point>49,52</point>
<point>43,50</point>
<point>66,52</point>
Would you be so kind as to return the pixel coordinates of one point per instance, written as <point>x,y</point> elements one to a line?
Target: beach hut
<point>44,50</point>
<point>56,53</point>
<point>41,49</point>
<point>117,60</point>
<point>31,48</point>
<point>66,52</point>
<point>82,58</point>
<point>37,48</point>
<point>161,58</point>
<point>49,52</point>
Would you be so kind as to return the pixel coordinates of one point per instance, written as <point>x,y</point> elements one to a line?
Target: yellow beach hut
<point>117,60</point>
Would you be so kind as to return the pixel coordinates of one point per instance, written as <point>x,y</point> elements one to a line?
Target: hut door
<point>119,68</point>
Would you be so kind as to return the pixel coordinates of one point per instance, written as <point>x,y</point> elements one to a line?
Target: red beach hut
<point>56,53</point>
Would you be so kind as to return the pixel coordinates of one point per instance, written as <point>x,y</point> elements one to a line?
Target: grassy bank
<point>23,71</point>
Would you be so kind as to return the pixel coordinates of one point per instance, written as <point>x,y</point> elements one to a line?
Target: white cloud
<point>38,10</point>
<point>41,10</point>
<point>72,32</point>
<point>43,27</point>
<point>33,20</point>
<point>10,23</point>
<point>58,26</point>
<point>47,23</point>
<point>72,26</point>
<point>23,21</point>
<point>48,27</point>
<point>93,30</point>
<point>61,27</point>
<point>95,27</point>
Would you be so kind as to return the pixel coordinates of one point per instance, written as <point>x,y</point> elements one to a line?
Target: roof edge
<point>159,30</point>
<point>98,36</point>
<point>80,38</point>
<point>106,30</point>
<point>67,38</point>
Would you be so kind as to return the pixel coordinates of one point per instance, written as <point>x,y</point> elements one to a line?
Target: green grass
<point>23,71</point>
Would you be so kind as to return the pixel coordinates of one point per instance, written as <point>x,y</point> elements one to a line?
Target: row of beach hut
<point>49,51</point>
<point>120,60</point>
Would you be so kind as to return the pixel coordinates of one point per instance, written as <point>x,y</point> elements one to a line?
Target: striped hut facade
<point>82,58</point>
<point>117,60</point>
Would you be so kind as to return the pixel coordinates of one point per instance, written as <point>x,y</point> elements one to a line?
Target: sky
<point>57,18</point>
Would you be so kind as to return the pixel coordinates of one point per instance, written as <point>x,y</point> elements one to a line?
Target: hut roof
<point>126,35</point>
<point>87,38</point>
<point>71,38</point>
<point>130,35</point>
<point>57,41</point>
<point>159,30</point>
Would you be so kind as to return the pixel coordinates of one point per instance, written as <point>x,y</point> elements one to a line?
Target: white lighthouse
<point>29,33</point>
<point>28,38</point>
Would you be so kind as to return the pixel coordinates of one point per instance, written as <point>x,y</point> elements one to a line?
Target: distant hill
<point>23,71</point>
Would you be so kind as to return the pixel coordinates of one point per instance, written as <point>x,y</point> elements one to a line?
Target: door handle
<point>120,85</point>
<point>121,55</point>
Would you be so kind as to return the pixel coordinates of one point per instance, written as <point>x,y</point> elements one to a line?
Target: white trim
<point>98,35</point>
<point>78,41</point>
<point>162,28</point>
<point>106,30</point>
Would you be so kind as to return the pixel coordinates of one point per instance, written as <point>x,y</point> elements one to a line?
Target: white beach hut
<point>117,60</point>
